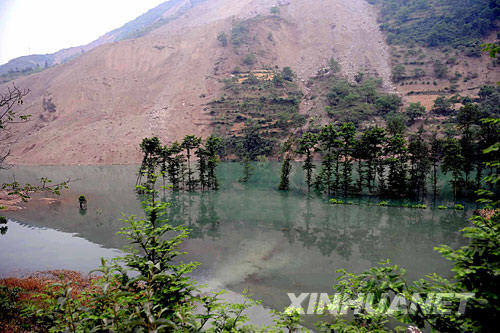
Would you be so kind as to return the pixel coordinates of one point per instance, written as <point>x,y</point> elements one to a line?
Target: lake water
<point>246,236</point>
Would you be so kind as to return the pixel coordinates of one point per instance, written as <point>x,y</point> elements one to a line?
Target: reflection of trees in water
<point>208,218</point>
<point>3,225</point>
<point>287,224</point>
<point>195,211</point>
<point>306,237</point>
<point>340,229</point>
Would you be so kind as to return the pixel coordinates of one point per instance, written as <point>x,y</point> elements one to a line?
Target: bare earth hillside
<point>97,108</point>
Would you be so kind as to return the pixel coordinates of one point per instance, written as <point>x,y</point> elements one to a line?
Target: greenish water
<point>246,236</point>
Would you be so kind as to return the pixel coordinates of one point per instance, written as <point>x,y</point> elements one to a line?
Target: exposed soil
<point>465,75</point>
<point>9,202</point>
<point>108,99</point>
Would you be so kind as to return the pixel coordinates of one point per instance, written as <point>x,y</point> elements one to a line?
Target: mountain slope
<point>96,108</point>
<point>149,21</point>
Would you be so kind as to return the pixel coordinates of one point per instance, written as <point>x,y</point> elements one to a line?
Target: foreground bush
<point>147,291</point>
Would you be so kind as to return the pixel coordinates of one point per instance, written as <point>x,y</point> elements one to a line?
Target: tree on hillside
<point>493,49</point>
<point>415,111</point>
<point>396,123</point>
<point>443,106</point>
<point>288,74</point>
<point>418,73</point>
<point>222,38</point>
<point>440,69</point>
<point>388,103</point>
<point>334,65</point>
<point>250,59</point>
<point>275,10</point>
<point>398,73</point>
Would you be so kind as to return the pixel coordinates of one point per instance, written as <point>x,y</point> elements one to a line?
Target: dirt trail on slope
<point>110,98</point>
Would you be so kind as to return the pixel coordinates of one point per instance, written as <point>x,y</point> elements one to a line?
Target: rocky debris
<point>133,80</point>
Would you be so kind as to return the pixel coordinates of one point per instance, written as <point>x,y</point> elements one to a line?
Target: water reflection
<point>3,225</point>
<point>251,236</point>
<point>368,230</point>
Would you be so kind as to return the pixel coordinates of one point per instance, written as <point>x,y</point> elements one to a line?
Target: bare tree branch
<point>14,96</point>
<point>8,115</point>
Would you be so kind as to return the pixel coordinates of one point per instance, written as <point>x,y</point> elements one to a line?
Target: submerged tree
<point>348,134</point>
<point>212,145</point>
<point>190,143</point>
<point>247,169</point>
<point>420,164</point>
<point>306,146</point>
<point>151,148</point>
<point>175,162</point>
<point>435,157</point>
<point>453,162</point>
<point>251,146</point>
<point>286,167</point>
<point>202,155</point>
<point>372,140</point>
<point>163,158</point>
<point>397,158</point>
<point>174,165</point>
<point>467,120</point>
<point>360,154</point>
<point>329,145</point>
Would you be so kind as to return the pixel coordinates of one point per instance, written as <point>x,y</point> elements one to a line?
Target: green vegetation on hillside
<point>16,73</point>
<point>258,108</point>
<point>488,101</point>
<point>357,102</point>
<point>459,23</point>
<point>353,101</point>
<point>149,288</point>
<point>240,34</point>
